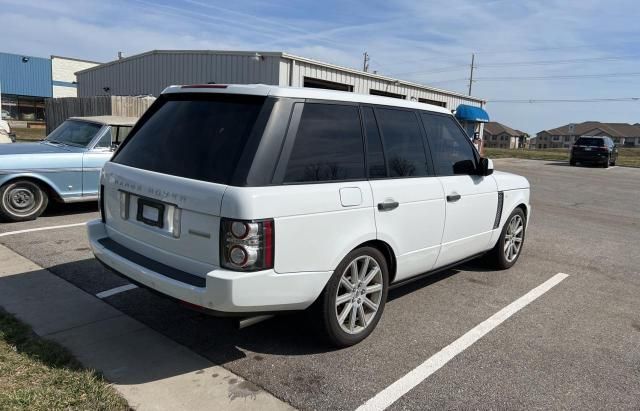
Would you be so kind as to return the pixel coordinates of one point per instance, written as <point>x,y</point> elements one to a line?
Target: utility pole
<point>473,57</point>
<point>365,64</point>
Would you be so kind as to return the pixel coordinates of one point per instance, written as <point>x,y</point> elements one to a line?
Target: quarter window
<point>105,140</point>
<point>452,151</point>
<point>375,155</point>
<point>403,143</point>
<point>328,145</point>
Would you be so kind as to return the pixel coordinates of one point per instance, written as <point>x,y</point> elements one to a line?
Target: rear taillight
<point>101,203</point>
<point>246,245</point>
<point>603,149</point>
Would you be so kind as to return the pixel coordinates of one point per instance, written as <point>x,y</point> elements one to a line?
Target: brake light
<point>205,86</point>
<point>246,245</point>
<point>603,149</point>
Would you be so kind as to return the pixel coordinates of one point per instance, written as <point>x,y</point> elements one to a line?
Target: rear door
<point>471,200</point>
<point>324,202</point>
<point>163,189</point>
<point>408,200</point>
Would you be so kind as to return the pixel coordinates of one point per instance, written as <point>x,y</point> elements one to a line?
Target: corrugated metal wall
<point>363,84</point>
<point>25,78</point>
<point>152,72</point>
<point>149,73</point>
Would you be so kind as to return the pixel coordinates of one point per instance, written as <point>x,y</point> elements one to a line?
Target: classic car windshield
<point>74,133</point>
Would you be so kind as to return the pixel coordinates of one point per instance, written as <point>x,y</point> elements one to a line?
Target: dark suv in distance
<point>594,150</point>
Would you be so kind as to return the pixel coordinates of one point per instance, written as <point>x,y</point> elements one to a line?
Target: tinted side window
<point>403,144</point>
<point>452,153</point>
<point>375,154</point>
<point>328,145</point>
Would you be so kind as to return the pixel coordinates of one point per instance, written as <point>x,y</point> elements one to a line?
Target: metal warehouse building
<point>25,81</point>
<point>149,73</point>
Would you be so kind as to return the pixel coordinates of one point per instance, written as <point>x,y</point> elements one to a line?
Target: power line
<point>566,77</point>
<point>461,67</point>
<point>582,100</point>
<point>548,62</point>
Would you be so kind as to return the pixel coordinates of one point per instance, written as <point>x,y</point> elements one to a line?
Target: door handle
<point>452,198</point>
<point>388,205</point>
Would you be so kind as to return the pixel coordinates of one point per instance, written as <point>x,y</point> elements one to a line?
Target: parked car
<point>244,200</point>
<point>63,167</point>
<point>594,150</point>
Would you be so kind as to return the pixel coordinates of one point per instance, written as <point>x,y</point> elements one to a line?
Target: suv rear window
<point>590,141</point>
<point>196,136</point>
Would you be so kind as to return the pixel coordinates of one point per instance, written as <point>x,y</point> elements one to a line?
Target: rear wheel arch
<point>387,252</point>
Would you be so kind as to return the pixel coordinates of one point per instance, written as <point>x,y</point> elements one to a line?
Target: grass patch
<point>29,134</point>
<point>37,374</point>
<point>628,157</point>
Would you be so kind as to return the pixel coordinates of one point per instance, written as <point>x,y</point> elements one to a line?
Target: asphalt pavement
<point>577,346</point>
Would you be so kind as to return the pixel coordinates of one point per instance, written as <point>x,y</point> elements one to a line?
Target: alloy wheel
<point>359,294</point>
<point>513,238</point>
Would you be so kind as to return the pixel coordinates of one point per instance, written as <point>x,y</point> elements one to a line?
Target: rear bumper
<point>222,291</point>
<point>590,157</point>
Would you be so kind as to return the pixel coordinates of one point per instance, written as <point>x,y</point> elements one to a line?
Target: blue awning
<point>466,112</point>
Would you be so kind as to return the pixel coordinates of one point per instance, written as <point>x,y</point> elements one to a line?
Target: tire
<point>340,326</point>
<point>606,163</point>
<point>22,200</point>
<point>498,255</point>
<point>572,163</point>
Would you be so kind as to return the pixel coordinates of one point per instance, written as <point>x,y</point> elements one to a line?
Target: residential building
<point>151,72</point>
<point>623,134</point>
<point>497,135</point>
<point>25,81</point>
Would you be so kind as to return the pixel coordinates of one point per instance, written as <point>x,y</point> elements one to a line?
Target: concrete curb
<point>151,371</point>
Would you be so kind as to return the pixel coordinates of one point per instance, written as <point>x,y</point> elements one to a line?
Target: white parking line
<point>399,388</point>
<point>117,290</point>
<point>30,230</point>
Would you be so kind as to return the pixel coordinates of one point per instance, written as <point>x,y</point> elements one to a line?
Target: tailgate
<point>169,219</point>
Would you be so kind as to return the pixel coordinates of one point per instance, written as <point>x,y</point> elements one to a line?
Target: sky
<point>425,41</point>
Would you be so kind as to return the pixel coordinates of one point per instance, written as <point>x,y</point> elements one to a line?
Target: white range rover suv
<point>253,199</point>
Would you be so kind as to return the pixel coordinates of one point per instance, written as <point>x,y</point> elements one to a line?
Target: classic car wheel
<point>22,200</point>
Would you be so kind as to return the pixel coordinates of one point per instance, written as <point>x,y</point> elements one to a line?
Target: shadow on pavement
<point>217,339</point>
<point>59,209</point>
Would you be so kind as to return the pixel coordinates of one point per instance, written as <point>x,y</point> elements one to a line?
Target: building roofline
<point>380,77</point>
<point>24,55</point>
<point>75,59</point>
<point>291,57</point>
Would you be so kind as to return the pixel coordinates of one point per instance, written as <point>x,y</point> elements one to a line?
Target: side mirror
<point>485,167</point>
